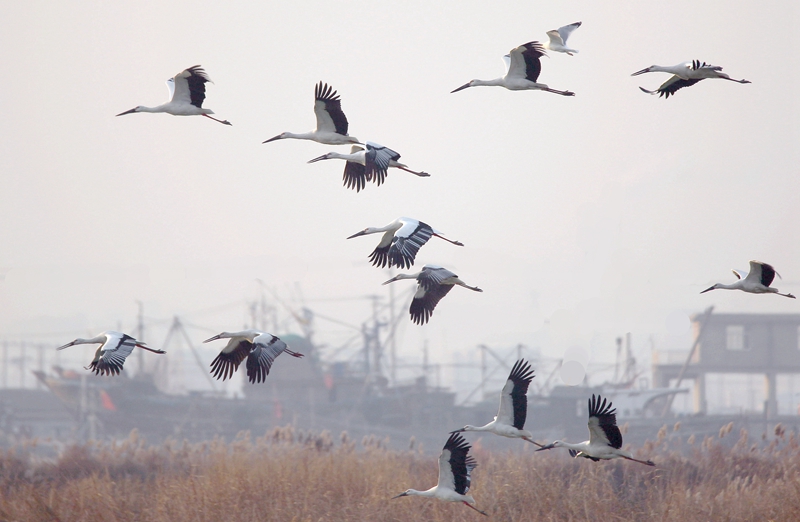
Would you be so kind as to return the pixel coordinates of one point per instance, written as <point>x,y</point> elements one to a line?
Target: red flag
<point>105,398</point>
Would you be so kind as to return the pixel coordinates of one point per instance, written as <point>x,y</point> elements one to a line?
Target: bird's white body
<point>332,123</point>
<point>259,349</point>
<point>605,439</point>
<point>455,468</point>
<point>446,494</point>
<point>401,240</point>
<point>114,348</point>
<point>558,39</point>
<point>597,450</point>
<point>685,74</point>
<point>523,72</point>
<point>510,419</point>
<point>757,281</point>
<point>187,93</point>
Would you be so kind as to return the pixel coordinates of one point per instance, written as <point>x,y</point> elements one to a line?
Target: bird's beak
<point>403,494</point>
<point>356,234</point>
<point>213,338</point>
<point>390,280</point>
<point>706,290</point>
<point>272,139</point>
<point>323,157</point>
<point>460,88</point>
<point>637,73</point>
<point>127,112</point>
<point>546,447</point>
<point>66,345</point>
<point>457,431</point>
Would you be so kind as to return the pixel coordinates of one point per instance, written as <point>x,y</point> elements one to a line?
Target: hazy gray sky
<point>583,218</point>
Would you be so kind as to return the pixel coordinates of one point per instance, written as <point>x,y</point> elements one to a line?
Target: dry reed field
<point>287,475</point>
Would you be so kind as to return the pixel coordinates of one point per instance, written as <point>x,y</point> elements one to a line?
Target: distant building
<point>767,344</point>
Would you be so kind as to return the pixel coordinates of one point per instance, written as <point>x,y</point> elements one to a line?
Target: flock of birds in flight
<point>398,247</point>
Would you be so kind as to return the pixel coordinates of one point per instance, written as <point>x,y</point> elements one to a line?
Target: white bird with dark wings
<point>455,467</point>
<point>401,240</point>
<point>187,91</point>
<point>605,439</point>
<point>259,348</point>
<point>114,348</point>
<point>371,164</point>
<point>433,283</point>
<point>756,281</point>
<point>523,72</point>
<point>510,419</point>
<point>331,122</point>
<point>685,75</point>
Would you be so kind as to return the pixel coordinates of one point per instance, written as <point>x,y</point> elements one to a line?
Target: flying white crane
<point>523,71</point>
<point>756,281</point>
<point>685,75</point>
<point>433,283</point>
<point>402,239</point>
<point>558,39</point>
<point>331,121</point>
<point>510,419</point>
<point>187,91</point>
<point>605,439</point>
<point>455,467</point>
<point>367,165</point>
<point>114,348</point>
<point>259,348</point>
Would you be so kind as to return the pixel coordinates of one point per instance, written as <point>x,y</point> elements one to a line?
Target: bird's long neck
<point>480,428</point>
<point>581,446</point>
<point>733,286</point>
<point>427,493</point>
<point>159,108</point>
<point>356,157</point>
<point>487,83</point>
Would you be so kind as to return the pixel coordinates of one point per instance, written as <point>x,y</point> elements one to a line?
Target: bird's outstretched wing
<point>328,109</point>
<point>603,423</point>
<point>513,399</point>
<point>407,241</point>
<point>455,465</point>
<point>266,348</point>
<point>227,362</point>
<point>113,353</point>
<point>190,86</point>
<point>566,30</point>
<point>671,86</point>
<point>378,159</point>
<point>761,273</point>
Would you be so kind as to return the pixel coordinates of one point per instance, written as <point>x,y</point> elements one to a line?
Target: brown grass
<point>288,475</point>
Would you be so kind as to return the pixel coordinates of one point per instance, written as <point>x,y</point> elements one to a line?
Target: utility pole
<point>392,343</point>
<point>5,364</point>
<point>140,336</point>
<point>483,371</point>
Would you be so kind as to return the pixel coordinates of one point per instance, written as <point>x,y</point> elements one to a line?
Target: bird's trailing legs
<point>532,441</point>
<point>457,243</point>
<point>150,349</point>
<point>420,174</point>
<point>226,122</point>
<point>562,93</point>
<point>645,462</point>
<point>476,509</point>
